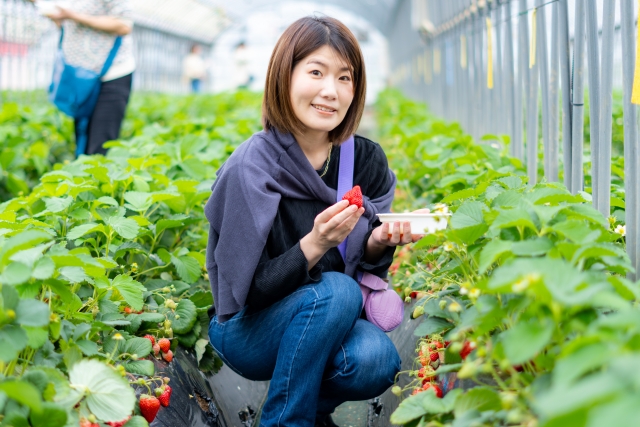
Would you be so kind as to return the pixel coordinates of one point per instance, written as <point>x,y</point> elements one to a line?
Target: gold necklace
<point>326,168</point>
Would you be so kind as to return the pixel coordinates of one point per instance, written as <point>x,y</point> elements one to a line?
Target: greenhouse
<point>357,213</point>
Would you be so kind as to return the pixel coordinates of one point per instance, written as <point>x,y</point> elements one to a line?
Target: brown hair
<point>297,42</point>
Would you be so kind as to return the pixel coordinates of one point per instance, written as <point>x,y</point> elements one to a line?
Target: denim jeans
<point>314,348</point>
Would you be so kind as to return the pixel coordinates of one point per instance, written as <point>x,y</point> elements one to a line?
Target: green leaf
<point>514,218</point>
<point>138,201</point>
<point>467,215</point>
<point>32,313</point>
<point>51,415</point>
<point>13,340</point>
<point>201,347</point>
<point>130,290</point>
<point>432,325</point>
<point>108,395</point>
<point>43,269</point>
<point>188,315</point>
<point>22,392</point>
<point>176,221</point>
<point>532,247</point>
<point>575,230</point>
<point>526,339</point>
<point>24,240</point>
<point>462,194</point>
<point>16,273</point>
<point>409,409</point>
<point>187,267</point>
<point>152,317</point>
<point>491,252</point>
<point>125,227</point>
<point>138,346</point>
<point>88,347</point>
<point>57,204</point>
<point>140,367</point>
<point>137,421</point>
<point>73,274</point>
<point>81,230</point>
<point>469,235</point>
<point>202,299</point>
<point>36,336</point>
<point>479,399</point>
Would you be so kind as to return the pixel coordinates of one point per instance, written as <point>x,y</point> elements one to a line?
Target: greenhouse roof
<point>203,20</point>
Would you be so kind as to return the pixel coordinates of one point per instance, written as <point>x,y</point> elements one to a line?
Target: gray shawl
<point>244,202</point>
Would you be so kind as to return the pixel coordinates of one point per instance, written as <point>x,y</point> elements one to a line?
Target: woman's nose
<point>328,89</point>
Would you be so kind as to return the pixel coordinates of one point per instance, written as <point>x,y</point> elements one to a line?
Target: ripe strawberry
<point>414,294</point>
<point>424,361</point>
<point>118,423</point>
<point>439,344</point>
<point>127,310</point>
<point>149,407</point>
<point>467,348</point>
<point>165,396</point>
<point>86,423</point>
<point>151,338</point>
<point>168,356</point>
<point>354,196</point>
<point>434,387</point>
<point>156,349</point>
<point>434,356</point>
<point>164,344</point>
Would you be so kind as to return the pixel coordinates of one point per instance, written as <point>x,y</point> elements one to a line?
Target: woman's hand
<point>59,15</point>
<point>382,237</point>
<point>330,228</point>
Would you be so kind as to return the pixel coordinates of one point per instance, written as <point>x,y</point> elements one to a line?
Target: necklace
<point>326,167</point>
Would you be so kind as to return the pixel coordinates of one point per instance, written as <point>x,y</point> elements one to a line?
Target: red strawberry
<point>156,349</point>
<point>439,344</point>
<point>165,396</point>
<point>86,423</point>
<point>467,348</point>
<point>149,407</point>
<point>164,344</point>
<point>354,196</point>
<point>151,338</point>
<point>118,423</point>
<point>168,356</point>
<point>434,356</point>
<point>434,387</point>
<point>413,294</point>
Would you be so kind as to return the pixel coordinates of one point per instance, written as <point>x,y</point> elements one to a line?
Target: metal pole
<point>631,142</point>
<point>554,83</point>
<point>594,96</point>
<point>543,67</point>
<point>510,87</point>
<point>606,109</point>
<point>532,113</point>
<point>577,136</point>
<point>565,77</point>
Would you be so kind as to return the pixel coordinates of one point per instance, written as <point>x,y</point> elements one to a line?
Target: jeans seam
<point>295,354</point>
<point>346,365</point>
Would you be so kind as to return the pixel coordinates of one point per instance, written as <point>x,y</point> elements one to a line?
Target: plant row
<point>524,303</point>
<point>102,268</point>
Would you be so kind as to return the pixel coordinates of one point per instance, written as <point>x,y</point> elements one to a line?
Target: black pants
<point>106,119</point>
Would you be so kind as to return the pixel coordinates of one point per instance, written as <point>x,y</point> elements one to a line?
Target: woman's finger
<point>406,233</point>
<point>332,211</point>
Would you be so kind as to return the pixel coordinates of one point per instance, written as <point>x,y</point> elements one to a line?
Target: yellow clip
<point>532,51</point>
<point>489,55</point>
<point>463,51</point>
<point>436,61</point>
<point>635,94</point>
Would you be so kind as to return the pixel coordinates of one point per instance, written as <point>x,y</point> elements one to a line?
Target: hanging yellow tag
<point>436,61</point>
<point>532,51</point>
<point>489,55</point>
<point>635,94</point>
<point>463,52</point>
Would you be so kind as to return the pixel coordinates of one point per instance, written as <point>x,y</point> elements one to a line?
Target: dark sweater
<point>283,267</point>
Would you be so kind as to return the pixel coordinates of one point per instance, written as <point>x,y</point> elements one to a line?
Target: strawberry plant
<point>526,291</point>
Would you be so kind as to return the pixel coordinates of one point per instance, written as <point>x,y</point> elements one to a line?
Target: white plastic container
<point>421,223</point>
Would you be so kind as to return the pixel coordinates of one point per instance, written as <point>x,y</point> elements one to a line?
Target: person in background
<point>241,59</point>
<point>90,30</point>
<point>194,69</point>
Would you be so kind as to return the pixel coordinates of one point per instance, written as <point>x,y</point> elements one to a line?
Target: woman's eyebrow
<point>317,61</point>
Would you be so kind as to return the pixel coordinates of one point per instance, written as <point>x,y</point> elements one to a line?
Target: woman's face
<point>321,90</point>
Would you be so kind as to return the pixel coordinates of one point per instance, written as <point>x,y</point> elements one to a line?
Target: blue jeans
<point>314,348</point>
<point>195,85</point>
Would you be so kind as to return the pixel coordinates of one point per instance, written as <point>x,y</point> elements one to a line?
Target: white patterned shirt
<point>89,48</point>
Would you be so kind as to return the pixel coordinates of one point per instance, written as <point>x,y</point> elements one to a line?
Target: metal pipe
<point>510,85</point>
<point>565,77</point>
<point>577,136</point>
<point>594,95</point>
<point>606,109</point>
<point>554,84</point>
<point>543,69</point>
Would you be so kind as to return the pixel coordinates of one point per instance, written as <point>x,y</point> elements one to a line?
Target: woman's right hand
<point>330,228</point>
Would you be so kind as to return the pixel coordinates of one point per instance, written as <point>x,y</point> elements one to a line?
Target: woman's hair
<point>301,39</point>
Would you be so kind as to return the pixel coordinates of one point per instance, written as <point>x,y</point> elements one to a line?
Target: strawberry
<point>127,310</point>
<point>118,423</point>
<point>165,396</point>
<point>439,344</point>
<point>354,196</point>
<point>168,356</point>
<point>413,294</point>
<point>156,349</point>
<point>164,344</point>
<point>86,423</point>
<point>151,338</point>
<point>467,348</point>
<point>434,356</point>
<point>434,387</point>
<point>149,407</point>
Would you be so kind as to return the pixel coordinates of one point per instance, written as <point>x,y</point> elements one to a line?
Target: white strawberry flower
<point>447,246</point>
<point>621,229</point>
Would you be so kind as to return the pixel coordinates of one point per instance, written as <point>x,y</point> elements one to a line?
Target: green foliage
<point>100,251</point>
<point>533,276</point>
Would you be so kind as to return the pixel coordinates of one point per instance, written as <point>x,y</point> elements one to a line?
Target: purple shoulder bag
<point>384,308</point>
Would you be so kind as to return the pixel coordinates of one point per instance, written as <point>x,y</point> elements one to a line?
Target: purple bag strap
<point>345,180</point>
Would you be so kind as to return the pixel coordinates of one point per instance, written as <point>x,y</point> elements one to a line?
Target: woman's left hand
<point>382,236</point>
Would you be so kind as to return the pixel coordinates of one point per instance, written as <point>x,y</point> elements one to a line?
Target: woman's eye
<point>316,73</point>
<point>345,78</point>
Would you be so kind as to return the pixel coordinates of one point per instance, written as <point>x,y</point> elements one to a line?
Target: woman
<point>287,307</point>
<point>194,69</point>
<point>90,29</point>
